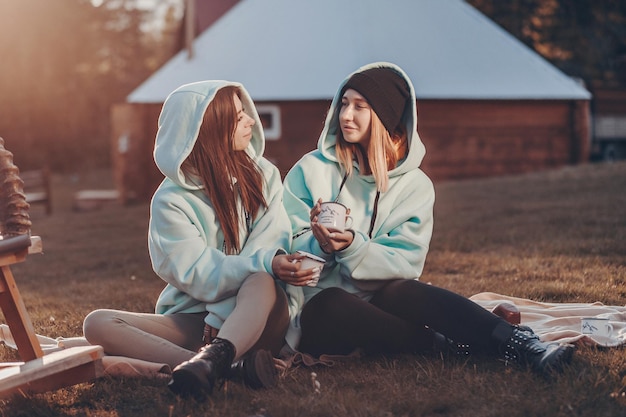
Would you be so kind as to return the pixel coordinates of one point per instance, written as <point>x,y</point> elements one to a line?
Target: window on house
<point>270,119</point>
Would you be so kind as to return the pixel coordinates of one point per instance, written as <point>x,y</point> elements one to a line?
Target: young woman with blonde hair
<point>369,296</point>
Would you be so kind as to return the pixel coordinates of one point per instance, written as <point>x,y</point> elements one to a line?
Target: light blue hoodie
<point>185,239</point>
<point>403,225</point>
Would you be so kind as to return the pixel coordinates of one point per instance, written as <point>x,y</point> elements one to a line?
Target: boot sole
<point>265,370</point>
<point>188,382</point>
<point>561,356</point>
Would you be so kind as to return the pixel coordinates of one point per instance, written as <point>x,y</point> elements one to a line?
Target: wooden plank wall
<point>468,139</point>
<point>302,123</point>
<point>464,139</point>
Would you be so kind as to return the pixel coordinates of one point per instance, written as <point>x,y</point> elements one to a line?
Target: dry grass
<point>554,236</point>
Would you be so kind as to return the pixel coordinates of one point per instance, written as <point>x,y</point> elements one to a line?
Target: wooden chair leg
<point>17,317</point>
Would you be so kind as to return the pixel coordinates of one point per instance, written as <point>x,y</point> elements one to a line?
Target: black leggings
<point>400,318</point>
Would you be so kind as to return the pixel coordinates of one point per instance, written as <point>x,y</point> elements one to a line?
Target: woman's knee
<point>97,325</point>
<point>260,281</point>
<point>328,303</point>
<point>397,289</point>
<point>399,285</point>
<point>329,297</point>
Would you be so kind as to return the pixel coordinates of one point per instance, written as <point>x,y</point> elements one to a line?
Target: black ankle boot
<point>448,347</point>
<point>199,375</point>
<point>519,344</point>
<point>255,370</point>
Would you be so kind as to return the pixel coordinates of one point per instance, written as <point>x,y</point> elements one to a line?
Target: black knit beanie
<point>385,90</point>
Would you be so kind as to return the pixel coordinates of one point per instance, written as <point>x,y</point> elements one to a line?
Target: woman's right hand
<point>331,241</point>
<point>315,210</point>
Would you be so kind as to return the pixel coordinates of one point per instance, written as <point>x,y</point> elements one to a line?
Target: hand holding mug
<point>334,216</point>
<point>287,269</point>
<point>313,264</point>
<point>330,239</point>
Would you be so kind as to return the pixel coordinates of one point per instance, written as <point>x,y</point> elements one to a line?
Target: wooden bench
<point>37,187</point>
<point>86,200</point>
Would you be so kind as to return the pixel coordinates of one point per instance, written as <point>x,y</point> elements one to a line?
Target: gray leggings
<point>259,321</point>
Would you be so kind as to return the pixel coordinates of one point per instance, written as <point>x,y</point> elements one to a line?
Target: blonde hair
<point>383,153</point>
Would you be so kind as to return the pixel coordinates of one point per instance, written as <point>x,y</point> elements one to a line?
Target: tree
<point>583,38</point>
<point>65,63</point>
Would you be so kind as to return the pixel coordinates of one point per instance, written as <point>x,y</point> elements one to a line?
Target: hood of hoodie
<point>180,121</point>
<point>416,150</point>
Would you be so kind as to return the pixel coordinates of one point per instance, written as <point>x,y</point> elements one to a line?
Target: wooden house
<point>488,105</point>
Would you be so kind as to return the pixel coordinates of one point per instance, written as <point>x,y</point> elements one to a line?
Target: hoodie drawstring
<point>374,213</point>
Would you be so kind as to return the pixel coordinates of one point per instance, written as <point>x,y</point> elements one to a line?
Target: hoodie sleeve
<point>299,199</point>
<point>399,246</point>
<point>185,244</point>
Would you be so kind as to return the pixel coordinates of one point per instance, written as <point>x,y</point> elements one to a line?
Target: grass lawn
<point>557,236</point>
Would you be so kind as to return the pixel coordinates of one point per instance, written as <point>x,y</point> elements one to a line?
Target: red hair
<point>215,161</point>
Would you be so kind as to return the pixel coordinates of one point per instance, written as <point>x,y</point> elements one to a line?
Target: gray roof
<point>303,49</point>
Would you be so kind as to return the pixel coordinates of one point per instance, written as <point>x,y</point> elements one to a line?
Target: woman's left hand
<point>287,269</point>
<point>331,241</point>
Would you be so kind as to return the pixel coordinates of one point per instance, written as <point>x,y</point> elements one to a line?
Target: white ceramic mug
<point>334,216</point>
<point>596,326</point>
<point>311,261</point>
